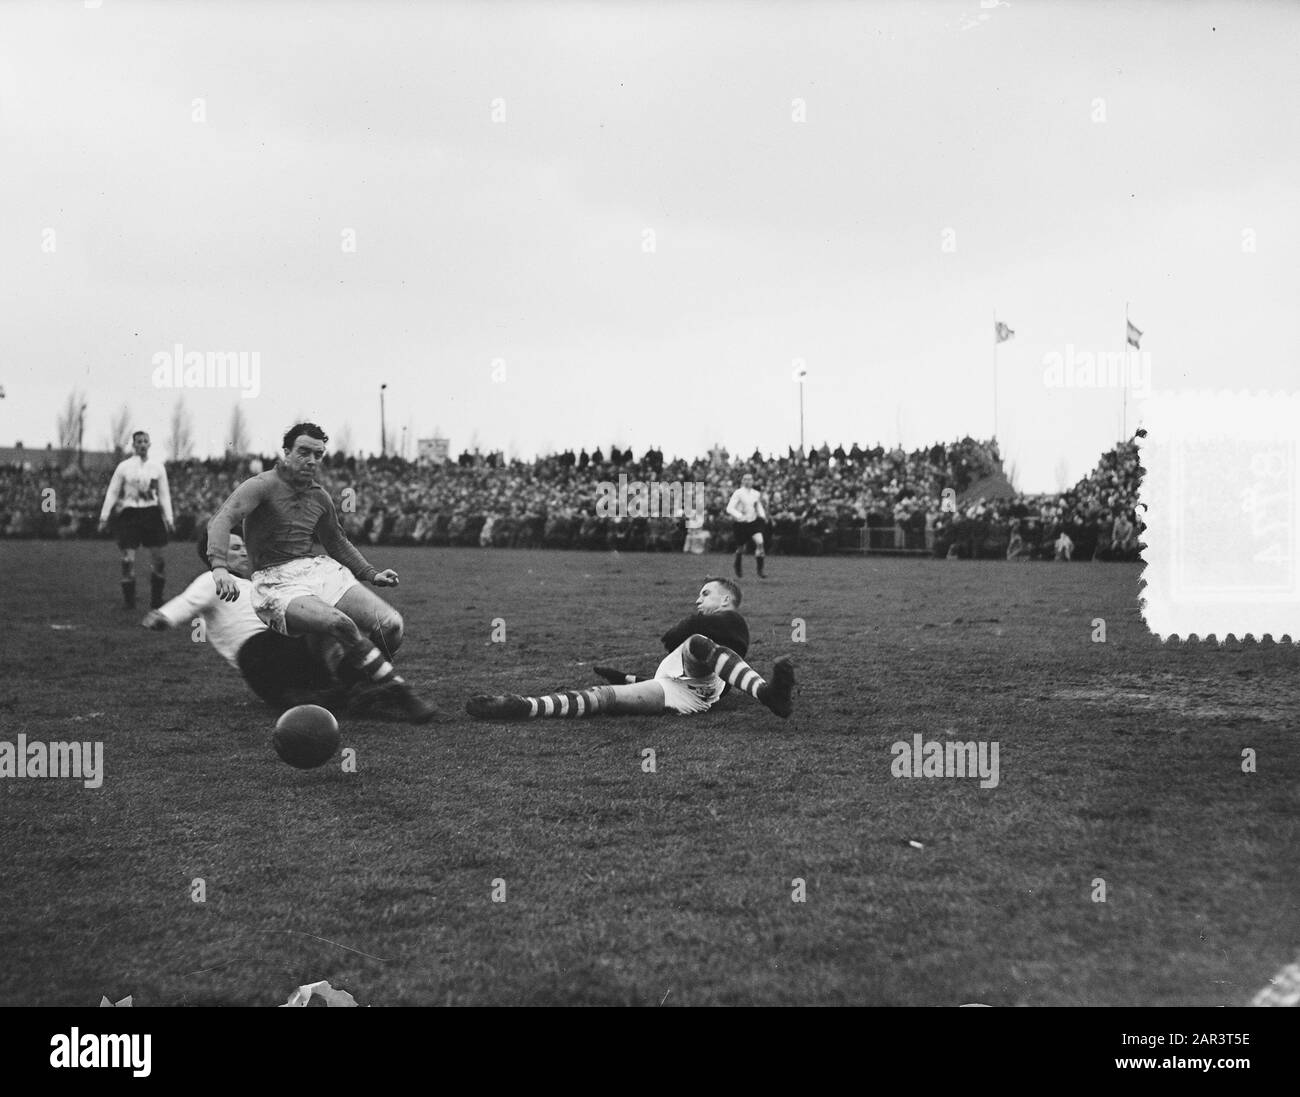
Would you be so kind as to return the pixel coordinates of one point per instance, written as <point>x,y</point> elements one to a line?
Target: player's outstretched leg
<point>310,614</point>
<point>740,552</point>
<point>157,580</point>
<point>379,622</point>
<point>128,578</point>
<point>568,703</point>
<point>760,554</point>
<point>616,677</point>
<point>641,699</point>
<point>777,695</point>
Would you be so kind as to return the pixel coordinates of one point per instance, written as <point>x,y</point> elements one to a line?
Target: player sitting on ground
<point>282,670</point>
<point>705,654</point>
<point>283,513</point>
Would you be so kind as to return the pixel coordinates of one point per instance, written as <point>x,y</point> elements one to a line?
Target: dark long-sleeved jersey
<point>727,628</point>
<point>280,523</point>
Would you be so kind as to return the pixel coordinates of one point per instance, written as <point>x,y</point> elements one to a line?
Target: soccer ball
<point>306,736</point>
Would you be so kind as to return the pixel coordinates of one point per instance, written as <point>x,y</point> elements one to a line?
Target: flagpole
<point>995,375</point>
<point>1123,420</point>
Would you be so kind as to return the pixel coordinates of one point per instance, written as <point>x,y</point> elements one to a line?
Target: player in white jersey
<point>282,670</point>
<point>749,517</point>
<point>140,486</point>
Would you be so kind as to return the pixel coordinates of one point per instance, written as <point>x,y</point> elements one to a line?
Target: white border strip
<point>1284,989</point>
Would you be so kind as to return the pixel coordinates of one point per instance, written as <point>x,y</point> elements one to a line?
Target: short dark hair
<point>309,429</point>
<point>728,585</point>
<point>136,434</point>
<point>201,541</point>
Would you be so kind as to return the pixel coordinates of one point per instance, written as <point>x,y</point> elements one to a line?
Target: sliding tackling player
<point>282,670</point>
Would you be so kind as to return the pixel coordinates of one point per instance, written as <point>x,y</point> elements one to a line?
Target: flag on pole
<point>1001,333</point>
<point>1133,334</point>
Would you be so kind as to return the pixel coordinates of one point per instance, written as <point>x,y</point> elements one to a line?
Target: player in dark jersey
<point>705,655</point>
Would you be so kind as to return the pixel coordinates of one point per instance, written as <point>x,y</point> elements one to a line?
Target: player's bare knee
<point>388,632</point>
<point>344,629</point>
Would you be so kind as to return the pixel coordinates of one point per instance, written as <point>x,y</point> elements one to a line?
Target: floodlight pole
<point>383,433</point>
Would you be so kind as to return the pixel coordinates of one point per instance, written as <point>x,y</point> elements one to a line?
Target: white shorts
<point>682,694</point>
<point>275,587</point>
<point>686,696</point>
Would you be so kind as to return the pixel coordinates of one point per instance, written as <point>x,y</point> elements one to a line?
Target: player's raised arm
<point>331,535</point>
<point>242,502</point>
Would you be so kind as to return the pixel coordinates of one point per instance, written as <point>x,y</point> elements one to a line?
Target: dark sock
<point>157,581</point>
<point>350,674</point>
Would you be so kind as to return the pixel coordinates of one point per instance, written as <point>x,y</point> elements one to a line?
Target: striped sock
<point>571,703</point>
<point>727,665</point>
<point>375,667</point>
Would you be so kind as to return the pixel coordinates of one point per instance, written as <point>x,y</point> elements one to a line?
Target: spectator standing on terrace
<point>1122,538</point>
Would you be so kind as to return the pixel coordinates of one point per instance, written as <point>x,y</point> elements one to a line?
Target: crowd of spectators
<point>828,500</point>
<point>1096,519</point>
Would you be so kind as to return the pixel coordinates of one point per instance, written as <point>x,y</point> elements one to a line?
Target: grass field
<point>1119,760</point>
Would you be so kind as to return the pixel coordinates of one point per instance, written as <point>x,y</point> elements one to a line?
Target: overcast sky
<point>1048,160</point>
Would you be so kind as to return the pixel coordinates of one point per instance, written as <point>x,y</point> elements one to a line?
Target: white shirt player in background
<point>139,485</point>
<point>749,517</point>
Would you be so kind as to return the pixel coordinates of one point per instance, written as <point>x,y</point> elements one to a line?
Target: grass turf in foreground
<point>1119,761</point>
